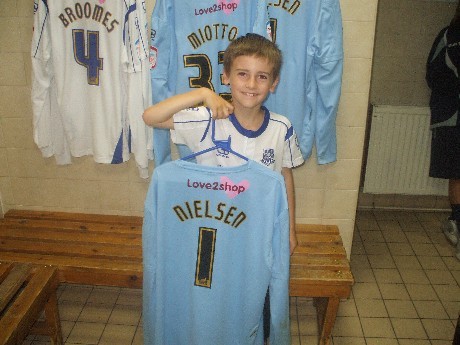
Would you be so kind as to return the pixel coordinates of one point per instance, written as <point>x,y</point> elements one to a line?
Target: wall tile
<point>30,163</point>
<point>339,204</point>
<point>27,68</point>
<point>10,35</point>
<point>8,8</point>
<point>2,137</point>
<point>137,194</point>
<point>4,162</point>
<point>25,8</point>
<point>359,10</point>
<point>360,39</point>
<point>12,69</point>
<point>86,195</point>
<point>26,191</point>
<point>356,75</point>
<point>352,110</point>
<point>343,175</point>
<point>114,195</point>
<point>18,133</point>
<point>26,31</point>
<point>112,172</point>
<point>82,168</point>
<point>15,102</point>
<point>309,203</point>
<point>6,191</point>
<point>310,175</point>
<point>350,141</point>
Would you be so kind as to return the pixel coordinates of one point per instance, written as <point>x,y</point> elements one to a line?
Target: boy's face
<point>250,79</point>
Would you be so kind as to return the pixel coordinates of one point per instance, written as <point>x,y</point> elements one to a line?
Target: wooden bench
<point>107,250</point>
<point>320,269</point>
<point>25,292</point>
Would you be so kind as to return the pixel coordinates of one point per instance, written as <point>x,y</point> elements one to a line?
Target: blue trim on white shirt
<point>247,132</point>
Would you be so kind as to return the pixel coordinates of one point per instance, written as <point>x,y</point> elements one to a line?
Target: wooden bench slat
<point>26,306</point>
<point>331,250</point>
<point>78,263</point>
<point>5,268</point>
<point>320,262</point>
<point>71,236</point>
<point>12,283</point>
<point>80,217</point>
<point>90,250</point>
<point>15,223</point>
<point>309,276</point>
<point>316,228</point>
<point>106,272</point>
<point>318,238</point>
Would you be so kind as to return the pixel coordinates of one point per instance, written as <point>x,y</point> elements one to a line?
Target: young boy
<point>252,65</point>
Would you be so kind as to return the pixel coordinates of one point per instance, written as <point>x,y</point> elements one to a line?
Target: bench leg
<point>326,309</point>
<point>52,320</point>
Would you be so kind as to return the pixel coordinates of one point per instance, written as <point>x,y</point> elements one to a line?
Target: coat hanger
<point>224,145</point>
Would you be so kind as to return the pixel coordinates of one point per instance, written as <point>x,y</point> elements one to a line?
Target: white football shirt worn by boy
<point>273,145</point>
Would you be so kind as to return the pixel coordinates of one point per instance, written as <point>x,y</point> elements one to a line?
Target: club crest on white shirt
<point>268,157</point>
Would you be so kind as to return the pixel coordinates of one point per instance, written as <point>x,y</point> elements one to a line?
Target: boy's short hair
<point>254,45</point>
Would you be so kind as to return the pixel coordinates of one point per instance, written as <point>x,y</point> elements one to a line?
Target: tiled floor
<point>406,292</point>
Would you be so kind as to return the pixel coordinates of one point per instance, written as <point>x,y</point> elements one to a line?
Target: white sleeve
<point>190,126</point>
<point>292,156</point>
<point>138,89</point>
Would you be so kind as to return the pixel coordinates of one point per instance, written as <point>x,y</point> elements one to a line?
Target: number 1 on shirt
<point>205,257</point>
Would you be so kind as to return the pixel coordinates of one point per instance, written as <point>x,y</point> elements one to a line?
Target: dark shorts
<point>445,153</point>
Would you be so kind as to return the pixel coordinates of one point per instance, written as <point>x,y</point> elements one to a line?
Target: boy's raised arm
<point>160,115</point>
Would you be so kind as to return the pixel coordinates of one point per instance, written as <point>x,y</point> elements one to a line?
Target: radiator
<point>399,153</point>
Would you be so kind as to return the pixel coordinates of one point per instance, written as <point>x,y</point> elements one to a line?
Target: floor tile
<point>387,276</point>
<point>371,308</point>
<point>86,333</point>
<point>348,341</point>
<point>346,326</point>
<point>401,309</point>
<point>117,334</point>
<point>430,309</point>
<point>95,313</point>
<point>439,329</point>
<point>419,292</point>
<point>408,328</point>
<point>366,290</point>
<point>308,325</point>
<point>377,327</point>
<point>381,341</point>
<point>394,291</point>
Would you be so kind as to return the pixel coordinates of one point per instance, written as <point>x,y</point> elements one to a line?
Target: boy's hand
<point>220,108</point>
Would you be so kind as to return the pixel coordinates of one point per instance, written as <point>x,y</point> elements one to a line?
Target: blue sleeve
<point>261,23</point>
<point>161,52</point>
<point>149,258</point>
<point>279,283</point>
<point>327,69</point>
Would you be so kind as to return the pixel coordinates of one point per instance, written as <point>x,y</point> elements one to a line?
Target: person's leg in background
<point>454,219</point>
<point>450,227</point>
